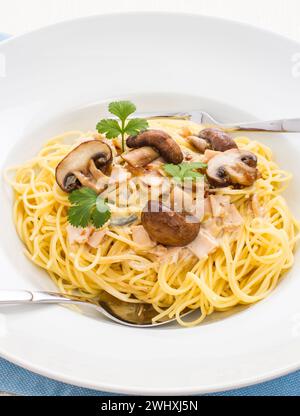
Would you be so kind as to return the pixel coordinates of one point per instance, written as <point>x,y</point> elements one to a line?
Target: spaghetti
<point>241,270</point>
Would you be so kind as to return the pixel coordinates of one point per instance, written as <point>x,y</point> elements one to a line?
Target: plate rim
<point>12,37</point>
<point>150,391</point>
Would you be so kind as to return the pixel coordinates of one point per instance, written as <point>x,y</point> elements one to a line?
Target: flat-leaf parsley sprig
<point>113,128</point>
<point>87,208</point>
<point>184,170</point>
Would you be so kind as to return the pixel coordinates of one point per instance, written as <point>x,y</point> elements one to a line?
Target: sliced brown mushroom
<point>217,139</point>
<point>232,167</point>
<point>169,227</point>
<point>140,157</point>
<point>84,166</point>
<point>198,143</point>
<point>161,141</point>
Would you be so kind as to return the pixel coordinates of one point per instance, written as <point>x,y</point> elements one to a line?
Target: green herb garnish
<point>87,208</point>
<point>113,128</point>
<point>184,170</point>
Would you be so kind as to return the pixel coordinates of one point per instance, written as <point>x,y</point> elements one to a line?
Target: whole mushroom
<point>85,165</point>
<point>160,141</point>
<point>168,227</point>
<point>217,139</point>
<point>232,167</point>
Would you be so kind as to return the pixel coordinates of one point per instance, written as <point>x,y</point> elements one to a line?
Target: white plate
<point>55,79</point>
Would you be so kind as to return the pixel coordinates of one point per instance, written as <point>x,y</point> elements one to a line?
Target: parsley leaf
<point>122,109</point>
<point>113,128</point>
<point>79,215</point>
<point>100,218</point>
<point>184,170</point>
<point>110,127</point>
<point>172,170</point>
<point>191,174</point>
<point>82,195</point>
<point>87,208</point>
<point>135,125</point>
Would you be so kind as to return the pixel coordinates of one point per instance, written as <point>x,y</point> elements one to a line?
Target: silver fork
<point>138,315</point>
<point>290,125</point>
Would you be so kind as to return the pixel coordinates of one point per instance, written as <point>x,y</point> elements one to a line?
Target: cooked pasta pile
<point>242,270</point>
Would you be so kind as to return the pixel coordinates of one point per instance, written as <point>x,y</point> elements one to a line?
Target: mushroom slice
<point>232,167</point>
<point>140,157</point>
<point>217,139</point>
<point>200,144</point>
<point>87,162</point>
<point>168,227</point>
<point>161,141</point>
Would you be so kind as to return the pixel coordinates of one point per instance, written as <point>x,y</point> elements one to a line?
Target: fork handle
<point>175,115</point>
<point>21,297</point>
<point>288,125</point>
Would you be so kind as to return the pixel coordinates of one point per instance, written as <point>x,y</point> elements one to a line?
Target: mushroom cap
<point>78,160</point>
<point>161,141</point>
<point>168,227</point>
<point>232,167</point>
<point>217,139</point>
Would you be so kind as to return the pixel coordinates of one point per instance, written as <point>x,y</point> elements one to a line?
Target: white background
<point>282,16</point>
<point>19,16</point>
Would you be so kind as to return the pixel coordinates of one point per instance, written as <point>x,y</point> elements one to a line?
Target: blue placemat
<point>14,379</point>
